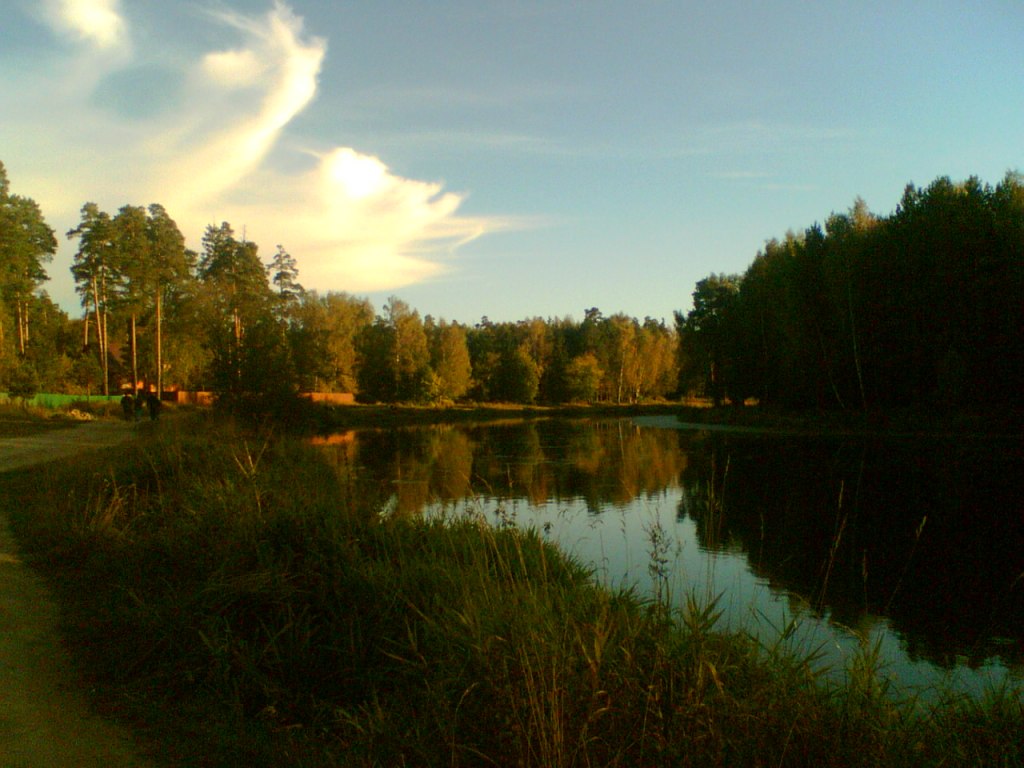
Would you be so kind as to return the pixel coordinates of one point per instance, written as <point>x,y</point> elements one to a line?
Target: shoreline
<point>906,424</point>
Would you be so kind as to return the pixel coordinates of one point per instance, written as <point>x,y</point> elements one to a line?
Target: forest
<point>924,306</point>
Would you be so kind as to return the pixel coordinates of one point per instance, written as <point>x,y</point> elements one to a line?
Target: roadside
<point>45,717</point>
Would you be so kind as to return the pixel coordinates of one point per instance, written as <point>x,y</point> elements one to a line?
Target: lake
<point>912,547</point>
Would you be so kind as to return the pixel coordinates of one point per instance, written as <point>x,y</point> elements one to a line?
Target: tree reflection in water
<point>923,537</point>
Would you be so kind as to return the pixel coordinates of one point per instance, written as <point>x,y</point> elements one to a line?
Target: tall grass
<point>230,597</point>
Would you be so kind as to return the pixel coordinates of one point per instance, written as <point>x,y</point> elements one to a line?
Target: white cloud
<point>279,69</point>
<point>354,176</point>
<point>96,21</point>
<point>365,228</point>
<point>233,68</point>
<point>350,221</point>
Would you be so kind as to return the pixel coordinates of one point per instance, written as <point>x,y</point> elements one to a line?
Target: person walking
<point>127,406</point>
<point>153,403</point>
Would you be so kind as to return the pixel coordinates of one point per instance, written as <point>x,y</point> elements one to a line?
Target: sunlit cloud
<point>365,228</point>
<point>355,176</point>
<point>233,68</point>
<point>216,150</point>
<point>98,22</point>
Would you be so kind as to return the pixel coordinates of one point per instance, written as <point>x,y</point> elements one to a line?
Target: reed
<point>224,586</point>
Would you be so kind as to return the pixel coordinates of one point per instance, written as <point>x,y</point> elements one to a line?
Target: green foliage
<point>376,378</point>
<point>507,361</point>
<point>518,376</point>
<point>449,359</point>
<point>233,266</point>
<point>204,321</point>
<point>920,308</point>
<point>22,382</point>
<point>251,367</point>
<point>394,357</point>
<point>533,360</point>
<point>707,332</point>
<point>86,375</point>
<point>583,378</point>
<point>284,275</point>
<point>26,244</point>
<point>126,268</point>
<point>322,334</point>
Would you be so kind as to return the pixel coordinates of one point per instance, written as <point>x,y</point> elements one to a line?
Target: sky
<point>509,159</point>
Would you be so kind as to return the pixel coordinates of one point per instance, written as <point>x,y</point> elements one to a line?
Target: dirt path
<point>45,719</point>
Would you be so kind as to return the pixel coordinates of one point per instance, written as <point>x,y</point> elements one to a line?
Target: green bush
<point>22,382</point>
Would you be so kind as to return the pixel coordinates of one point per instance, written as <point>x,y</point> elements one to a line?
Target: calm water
<point>916,546</point>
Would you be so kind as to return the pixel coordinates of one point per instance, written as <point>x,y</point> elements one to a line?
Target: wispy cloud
<point>277,69</point>
<point>218,154</point>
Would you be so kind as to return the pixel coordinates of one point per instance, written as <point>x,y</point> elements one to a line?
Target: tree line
<point>159,315</point>
<point>924,305</point>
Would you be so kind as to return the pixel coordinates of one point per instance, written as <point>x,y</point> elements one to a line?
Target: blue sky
<point>509,159</point>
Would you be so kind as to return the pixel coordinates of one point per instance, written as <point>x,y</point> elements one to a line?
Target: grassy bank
<point>224,595</point>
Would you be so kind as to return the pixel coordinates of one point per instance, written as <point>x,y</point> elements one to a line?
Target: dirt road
<point>45,719</point>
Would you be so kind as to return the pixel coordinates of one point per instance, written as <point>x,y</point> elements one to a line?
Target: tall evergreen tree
<point>134,264</point>
<point>94,275</point>
<point>170,268</point>
<point>237,296</point>
<point>26,244</point>
<point>284,275</point>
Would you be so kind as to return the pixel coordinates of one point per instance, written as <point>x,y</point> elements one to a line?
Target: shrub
<point>22,382</point>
